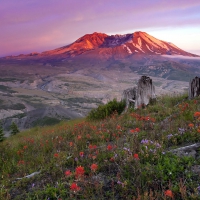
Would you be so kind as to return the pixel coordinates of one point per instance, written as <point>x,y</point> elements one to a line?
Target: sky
<point>38,25</point>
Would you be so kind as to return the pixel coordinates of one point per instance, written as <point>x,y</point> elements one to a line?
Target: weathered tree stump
<point>194,88</point>
<point>140,95</point>
<point>129,95</point>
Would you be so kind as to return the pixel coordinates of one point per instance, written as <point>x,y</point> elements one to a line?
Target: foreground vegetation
<point>121,157</point>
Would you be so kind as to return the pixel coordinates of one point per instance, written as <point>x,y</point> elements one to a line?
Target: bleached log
<point>29,176</point>
<point>186,148</point>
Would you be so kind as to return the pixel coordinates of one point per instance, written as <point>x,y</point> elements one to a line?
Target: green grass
<point>46,121</point>
<point>131,152</point>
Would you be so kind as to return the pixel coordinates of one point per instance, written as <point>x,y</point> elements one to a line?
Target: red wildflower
<point>112,159</point>
<point>81,154</point>
<point>70,144</point>
<point>68,173</point>
<point>137,130</point>
<point>118,127</point>
<point>191,125</point>
<point>79,171</point>
<point>169,193</point>
<point>92,146</point>
<point>25,147</point>
<point>56,155</point>
<point>94,167</point>
<point>197,114</point>
<point>109,147</point>
<point>74,187</point>
<point>20,162</point>
<point>132,130</point>
<point>94,157</point>
<point>79,137</point>
<point>20,152</point>
<point>136,156</point>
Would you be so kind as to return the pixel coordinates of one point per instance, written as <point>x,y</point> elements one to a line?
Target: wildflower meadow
<point>122,156</point>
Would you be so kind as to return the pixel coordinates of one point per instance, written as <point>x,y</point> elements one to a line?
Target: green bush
<point>107,110</point>
<point>14,129</point>
<point>1,133</point>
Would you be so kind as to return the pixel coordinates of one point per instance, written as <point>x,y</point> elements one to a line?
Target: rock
<point>190,150</point>
<point>140,95</point>
<point>194,88</point>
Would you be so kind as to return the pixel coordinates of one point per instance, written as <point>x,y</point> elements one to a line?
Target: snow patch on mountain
<point>140,42</point>
<point>127,48</point>
<point>138,47</point>
<point>148,48</point>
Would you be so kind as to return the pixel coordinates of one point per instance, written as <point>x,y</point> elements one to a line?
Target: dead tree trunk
<point>194,88</point>
<point>129,95</point>
<point>145,91</point>
<point>141,94</point>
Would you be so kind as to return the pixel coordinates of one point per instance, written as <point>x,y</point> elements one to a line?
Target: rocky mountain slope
<point>121,46</point>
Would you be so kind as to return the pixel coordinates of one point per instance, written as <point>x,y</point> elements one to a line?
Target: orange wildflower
<point>70,144</point>
<point>191,125</point>
<point>169,193</point>
<point>56,155</point>
<point>197,114</point>
<point>94,167</point>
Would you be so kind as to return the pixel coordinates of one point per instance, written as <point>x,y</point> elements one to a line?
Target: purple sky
<point>38,25</point>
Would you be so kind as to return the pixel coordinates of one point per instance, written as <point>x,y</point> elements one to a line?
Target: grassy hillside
<point>121,157</point>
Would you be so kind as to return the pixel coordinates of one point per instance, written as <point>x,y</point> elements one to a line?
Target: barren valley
<point>40,97</point>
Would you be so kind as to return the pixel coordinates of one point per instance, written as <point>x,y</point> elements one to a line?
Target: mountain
<point>121,45</point>
<point>101,45</point>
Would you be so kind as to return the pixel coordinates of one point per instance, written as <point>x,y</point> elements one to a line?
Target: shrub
<point>1,134</point>
<point>14,129</point>
<point>107,110</point>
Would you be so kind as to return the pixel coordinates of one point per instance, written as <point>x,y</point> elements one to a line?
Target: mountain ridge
<point>132,44</point>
